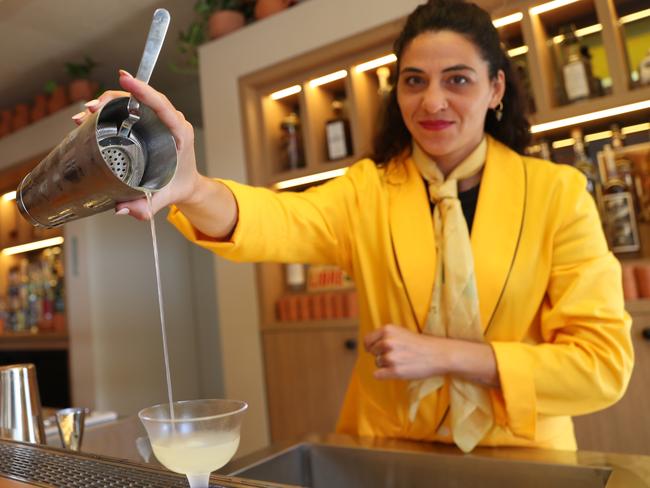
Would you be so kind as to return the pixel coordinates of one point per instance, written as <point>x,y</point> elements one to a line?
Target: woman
<point>491,340</point>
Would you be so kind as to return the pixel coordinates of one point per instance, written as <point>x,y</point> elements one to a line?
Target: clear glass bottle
<point>576,71</point>
<point>618,208</point>
<point>337,133</point>
<point>584,163</point>
<point>625,167</point>
<point>644,70</point>
<point>291,144</point>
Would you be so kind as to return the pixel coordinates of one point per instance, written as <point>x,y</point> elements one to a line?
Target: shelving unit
<point>539,58</point>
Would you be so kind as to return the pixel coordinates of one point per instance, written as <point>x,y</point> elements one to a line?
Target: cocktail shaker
<point>94,168</point>
<point>20,404</point>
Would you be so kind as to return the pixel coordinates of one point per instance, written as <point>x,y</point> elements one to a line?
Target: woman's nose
<point>434,100</point>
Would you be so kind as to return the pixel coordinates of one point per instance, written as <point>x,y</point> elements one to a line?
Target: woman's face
<point>444,92</point>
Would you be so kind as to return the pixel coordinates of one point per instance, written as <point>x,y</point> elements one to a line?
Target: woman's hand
<point>184,186</point>
<point>402,354</point>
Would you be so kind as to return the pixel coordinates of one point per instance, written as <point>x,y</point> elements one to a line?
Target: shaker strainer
<point>119,152</point>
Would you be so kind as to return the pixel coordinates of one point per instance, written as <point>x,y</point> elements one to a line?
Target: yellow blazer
<point>550,292</point>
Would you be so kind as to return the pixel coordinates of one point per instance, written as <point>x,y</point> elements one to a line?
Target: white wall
<point>305,27</point>
<point>116,341</point>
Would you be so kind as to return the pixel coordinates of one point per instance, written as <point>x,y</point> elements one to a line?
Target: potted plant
<point>223,16</point>
<point>265,8</point>
<point>81,88</point>
<point>215,19</point>
<point>20,116</point>
<point>57,96</point>
<point>39,108</point>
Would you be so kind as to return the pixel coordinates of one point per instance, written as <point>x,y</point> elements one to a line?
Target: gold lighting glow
<point>641,14</point>
<point>596,136</point>
<point>286,92</point>
<point>580,119</point>
<point>337,75</point>
<point>9,196</point>
<point>585,31</point>
<point>508,19</point>
<point>631,129</point>
<point>545,7</point>
<point>517,51</point>
<point>375,63</point>
<point>304,180</point>
<point>32,246</point>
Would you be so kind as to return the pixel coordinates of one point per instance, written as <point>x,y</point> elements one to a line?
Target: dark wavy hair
<point>475,24</point>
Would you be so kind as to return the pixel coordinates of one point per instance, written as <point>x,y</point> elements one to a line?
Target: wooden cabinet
<point>534,49</point>
<point>625,427</point>
<point>307,371</point>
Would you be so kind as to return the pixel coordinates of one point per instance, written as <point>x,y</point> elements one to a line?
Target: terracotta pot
<point>82,90</point>
<point>630,290</point>
<point>264,8</point>
<point>642,274</point>
<point>39,109</point>
<point>5,122</point>
<point>20,117</point>
<point>224,22</point>
<point>58,99</point>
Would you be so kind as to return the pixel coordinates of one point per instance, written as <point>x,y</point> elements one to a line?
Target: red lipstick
<point>434,125</point>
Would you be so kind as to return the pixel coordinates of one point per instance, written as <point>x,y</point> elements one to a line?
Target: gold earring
<point>498,112</point>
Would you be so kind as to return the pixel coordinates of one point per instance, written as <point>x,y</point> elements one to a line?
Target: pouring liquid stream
<point>160,306</point>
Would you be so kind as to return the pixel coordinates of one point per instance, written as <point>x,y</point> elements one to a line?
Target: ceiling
<point>37,38</point>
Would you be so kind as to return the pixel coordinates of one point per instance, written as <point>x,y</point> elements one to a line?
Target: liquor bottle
<point>583,163</point>
<point>644,70</point>
<point>545,150</point>
<point>383,79</point>
<point>625,167</point>
<point>291,143</point>
<point>578,82</point>
<point>337,132</point>
<point>618,208</point>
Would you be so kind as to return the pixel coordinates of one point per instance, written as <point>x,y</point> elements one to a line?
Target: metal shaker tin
<point>91,169</point>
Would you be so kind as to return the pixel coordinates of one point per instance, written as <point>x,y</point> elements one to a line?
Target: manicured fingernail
<point>78,116</point>
<point>125,73</point>
<point>122,211</point>
<point>91,103</point>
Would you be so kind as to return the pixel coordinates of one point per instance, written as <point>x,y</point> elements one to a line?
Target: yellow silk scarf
<point>454,310</point>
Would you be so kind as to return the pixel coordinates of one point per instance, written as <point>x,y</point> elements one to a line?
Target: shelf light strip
<point>631,129</point>
<point>304,180</point>
<point>579,119</point>
<point>375,63</point>
<point>507,20</point>
<point>9,196</point>
<point>545,7</point>
<point>286,92</point>
<point>585,31</point>
<point>32,246</point>
<point>517,51</point>
<point>641,14</point>
<point>323,80</point>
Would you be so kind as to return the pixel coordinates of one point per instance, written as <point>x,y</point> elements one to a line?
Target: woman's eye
<point>459,80</point>
<point>414,81</point>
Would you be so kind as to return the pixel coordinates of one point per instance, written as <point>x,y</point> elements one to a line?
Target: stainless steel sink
<point>317,465</point>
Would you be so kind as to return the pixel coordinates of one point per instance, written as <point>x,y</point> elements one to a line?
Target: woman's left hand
<point>405,355</point>
<point>402,354</point>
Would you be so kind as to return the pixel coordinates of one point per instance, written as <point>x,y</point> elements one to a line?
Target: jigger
<point>70,422</point>
<point>20,404</point>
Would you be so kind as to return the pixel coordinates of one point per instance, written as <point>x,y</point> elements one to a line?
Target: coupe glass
<point>202,436</point>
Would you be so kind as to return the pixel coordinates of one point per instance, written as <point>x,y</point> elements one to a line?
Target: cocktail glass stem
<point>199,480</point>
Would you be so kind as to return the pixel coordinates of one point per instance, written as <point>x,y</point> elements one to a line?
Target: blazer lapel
<point>411,228</point>
<point>498,223</point>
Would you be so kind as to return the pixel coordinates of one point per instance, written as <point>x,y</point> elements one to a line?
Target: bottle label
<point>337,145</point>
<point>576,81</point>
<point>620,222</point>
